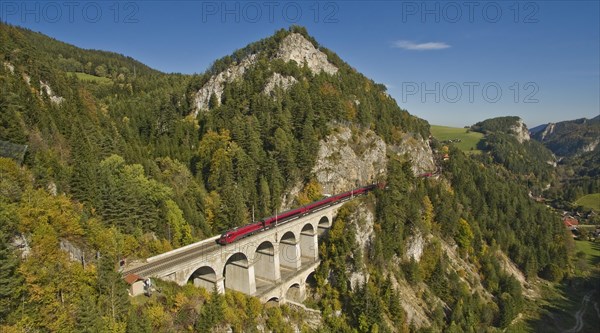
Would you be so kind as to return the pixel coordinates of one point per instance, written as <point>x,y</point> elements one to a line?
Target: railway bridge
<point>273,265</point>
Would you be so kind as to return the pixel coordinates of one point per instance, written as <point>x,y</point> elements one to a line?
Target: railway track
<point>149,268</point>
<point>152,267</point>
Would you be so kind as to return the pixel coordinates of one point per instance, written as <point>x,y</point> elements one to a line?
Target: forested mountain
<point>507,143</point>
<point>577,144</point>
<point>123,161</point>
<point>568,138</point>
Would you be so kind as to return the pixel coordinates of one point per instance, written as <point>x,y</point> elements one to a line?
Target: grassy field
<point>591,250</point>
<point>91,78</point>
<point>468,142</point>
<point>590,201</point>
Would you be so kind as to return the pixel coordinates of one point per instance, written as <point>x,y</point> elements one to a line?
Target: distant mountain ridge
<point>571,137</point>
<point>508,142</point>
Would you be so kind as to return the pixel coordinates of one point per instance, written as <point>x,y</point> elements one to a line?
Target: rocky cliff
<point>216,82</point>
<point>347,159</point>
<point>570,138</point>
<point>351,157</point>
<point>294,47</point>
<point>520,131</point>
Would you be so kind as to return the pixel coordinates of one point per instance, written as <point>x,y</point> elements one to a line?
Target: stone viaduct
<point>273,265</point>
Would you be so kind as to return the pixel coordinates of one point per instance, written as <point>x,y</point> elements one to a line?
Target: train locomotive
<point>232,235</point>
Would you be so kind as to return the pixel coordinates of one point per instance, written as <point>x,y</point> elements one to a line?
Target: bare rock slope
<point>294,47</point>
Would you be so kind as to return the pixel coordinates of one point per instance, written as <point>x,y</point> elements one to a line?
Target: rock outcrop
<point>520,131</point>
<point>294,47</point>
<point>278,80</point>
<point>418,151</point>
<point>297,48</point>
<point>414,248</point>
<point>9,66</point>
<point>547,131</point>
<point>363,220</point>
<point>44,87</point>
<point>347,159</point>
<point>215,84</point>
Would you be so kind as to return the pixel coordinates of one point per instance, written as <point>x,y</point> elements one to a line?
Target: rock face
<point>215,83</point>
<point>295,47</point>
<point>418,151</point>
<point>44,87</point>
<point>363,221</point>
<point>590,146</point>
<point>346,160</point>
<point>9,66</point>
<point>547,131</point>
<point>278,80</point>
<point>415,246</point>
<point>570,137</point>
<point>520,131</point>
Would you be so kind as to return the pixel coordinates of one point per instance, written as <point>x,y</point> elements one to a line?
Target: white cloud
<point>408,45</point>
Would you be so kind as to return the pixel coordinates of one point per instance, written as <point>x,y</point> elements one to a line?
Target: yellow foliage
<point>179,301</point>
<point>158,317</point>
<point>212,202</point>
<point>311,192</point>
<point>350,109</point>
<point>38,206</point>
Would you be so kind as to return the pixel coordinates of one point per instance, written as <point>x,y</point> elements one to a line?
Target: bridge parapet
<point>261,264</point>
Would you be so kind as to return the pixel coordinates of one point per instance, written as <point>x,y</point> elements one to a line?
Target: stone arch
<point>266,263</point>
<point>310,285</point>
<point>294,293</point>
<point>205,277</point>
<point>289,251</point>
<point>323,225</point>
<point>273,301</point>
<point>311,280</point>
<point>239,274</point>
<point>309,245</point>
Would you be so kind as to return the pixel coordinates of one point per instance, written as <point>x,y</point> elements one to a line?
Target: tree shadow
<point>559,314</point>
<point>594,259</point>
<point>560,306</point>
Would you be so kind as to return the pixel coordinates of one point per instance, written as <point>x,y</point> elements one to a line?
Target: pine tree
<point>88,316</point>
<point>11,280</point>
<point>138,323</point>
<point>211,314</point>
<point>112,289</point>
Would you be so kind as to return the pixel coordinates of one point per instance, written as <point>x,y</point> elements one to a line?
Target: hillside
<point>569,138</point>
<point>506,142</point>
<point>465,140</point>
<point>575,142</point>
<point>590,201</point>
<point>126,162</point>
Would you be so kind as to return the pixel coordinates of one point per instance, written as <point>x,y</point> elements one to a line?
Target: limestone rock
<point>278,80</point>
<point>415,246</point>
<point>215,84</point>
<point>418,151</point>
<point>520,131</point>
<point>293,47</point>
<point>346,160</point>
<point>9,66</point>
<point>297,48</point>
<point>44,87</point>
<point>364,221</point>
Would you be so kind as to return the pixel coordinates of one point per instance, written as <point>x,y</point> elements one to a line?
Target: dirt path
<point>579,315</point>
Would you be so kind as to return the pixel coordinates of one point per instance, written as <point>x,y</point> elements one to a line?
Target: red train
<point>232,235</point>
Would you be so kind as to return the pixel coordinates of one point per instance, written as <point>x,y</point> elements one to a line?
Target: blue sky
<point>451,63</point>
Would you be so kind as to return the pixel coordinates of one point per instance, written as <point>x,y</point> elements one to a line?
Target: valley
<point>280,189</point>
